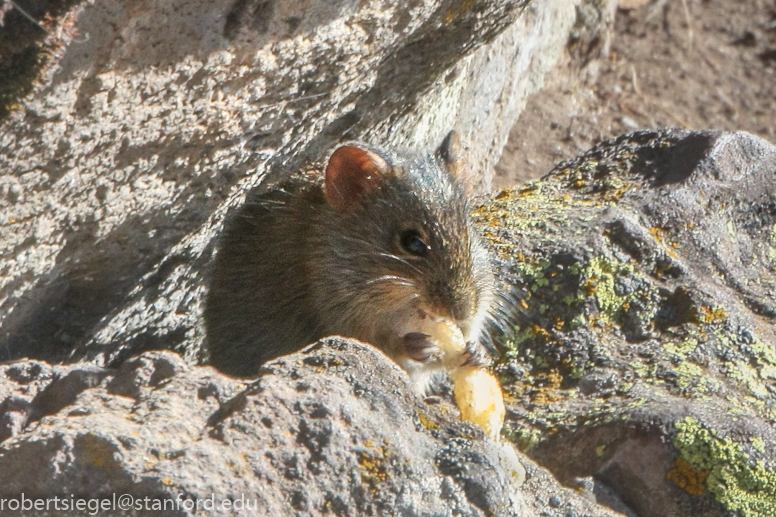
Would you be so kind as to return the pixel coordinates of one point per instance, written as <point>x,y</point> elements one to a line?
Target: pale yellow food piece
<point>477,392</point>
<point>478,395</point>
<point>448,337</point>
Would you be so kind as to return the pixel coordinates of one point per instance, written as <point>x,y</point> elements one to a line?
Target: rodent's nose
<point>458,306</point>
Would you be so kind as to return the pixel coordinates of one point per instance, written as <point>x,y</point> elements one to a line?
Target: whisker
<point>397,280</point>
<point>356,240</point>
<point>400,260</point>
<point>378,253</point>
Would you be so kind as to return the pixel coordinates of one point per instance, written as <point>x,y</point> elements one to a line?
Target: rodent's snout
<point>455,304</point>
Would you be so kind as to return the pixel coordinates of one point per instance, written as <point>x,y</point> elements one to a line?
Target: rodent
<point>367,249</point>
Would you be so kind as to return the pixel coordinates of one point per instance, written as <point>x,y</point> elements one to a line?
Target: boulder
<point>332,430</point>
<point>642,350</point>
<point>128,132</point>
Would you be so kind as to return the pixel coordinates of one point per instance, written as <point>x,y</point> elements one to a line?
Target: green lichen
<point>525,438</point>
<point>737,483</point>
<point>744,373</point>
<point>682,350</point>
<point>600,273</point>
<point>516,337</point>
<point>711,384</point>
<point>771,253</point>
<point>529,209</point>
<point>764,357</point>
<point>534,270</point>
<point>640,369</point>
<point>578,321</point>
<point>689,375</point>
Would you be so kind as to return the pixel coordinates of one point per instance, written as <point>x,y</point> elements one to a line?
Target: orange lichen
<point>427,423</point>
<point>540,332</point>
<point>711,314</point>
<point>657,233</point>
<point>591,286</point>
<point>373,464</point>
<point>460,10</point>
<point>690,480</point>
<point>550,390</point>
<point>526,191</point>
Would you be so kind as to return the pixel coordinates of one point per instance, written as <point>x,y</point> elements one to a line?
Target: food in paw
<point>476,391</point>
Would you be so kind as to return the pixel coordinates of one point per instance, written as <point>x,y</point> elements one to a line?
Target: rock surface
<point>644,355</point>
<point>332,430</point>
<point>143,125</point>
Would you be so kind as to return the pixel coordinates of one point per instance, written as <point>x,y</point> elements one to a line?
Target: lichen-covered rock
<point>332,430</point>
<point>128,131</point>
<point>644,350</point>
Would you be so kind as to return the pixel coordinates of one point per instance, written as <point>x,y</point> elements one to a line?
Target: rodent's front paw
<point>418,347</point>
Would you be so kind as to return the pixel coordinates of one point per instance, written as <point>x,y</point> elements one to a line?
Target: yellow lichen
<point>374,466</point>
<point>427,423</point>
<point>711,314</point>
<point>600,273</point>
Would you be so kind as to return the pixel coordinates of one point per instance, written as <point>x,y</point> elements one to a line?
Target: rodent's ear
<point>351,172</point>
<point>450,152</point>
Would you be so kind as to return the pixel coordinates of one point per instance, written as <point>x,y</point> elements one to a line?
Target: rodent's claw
<point>476,355</point>
<point>419,347</point>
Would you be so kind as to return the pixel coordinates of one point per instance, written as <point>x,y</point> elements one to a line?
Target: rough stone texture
<point>644,352</point>
<point>145,123</point>
<point>332,430</point>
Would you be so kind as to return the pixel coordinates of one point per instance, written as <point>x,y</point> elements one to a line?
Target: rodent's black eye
<point>413,242</point>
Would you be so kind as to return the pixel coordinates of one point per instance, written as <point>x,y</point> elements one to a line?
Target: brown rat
<point>381,243</point>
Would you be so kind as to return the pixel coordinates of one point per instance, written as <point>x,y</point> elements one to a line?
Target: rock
<point>642,351</point>
<point>335,428</point>
<point>25,380</point>
<point>128,133</point>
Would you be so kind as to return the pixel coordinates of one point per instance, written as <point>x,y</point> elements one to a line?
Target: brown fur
<point>307,260</point>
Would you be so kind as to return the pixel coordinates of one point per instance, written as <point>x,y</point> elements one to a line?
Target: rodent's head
<point>399,246</point>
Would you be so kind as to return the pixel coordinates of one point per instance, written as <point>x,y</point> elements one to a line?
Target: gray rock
<point>645,334</point>
<point>139,128</point>
<point>334,428</point>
